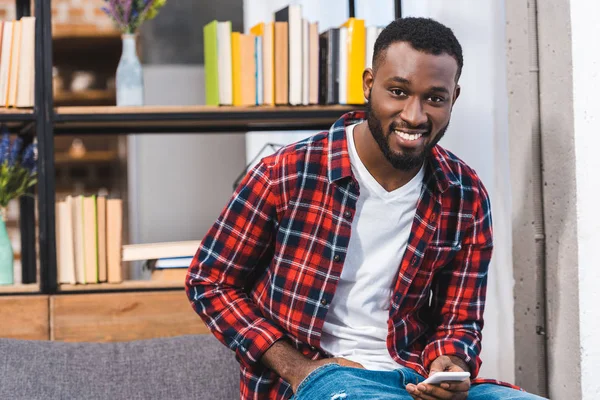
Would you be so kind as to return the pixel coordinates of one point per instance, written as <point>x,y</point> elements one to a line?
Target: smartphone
<point>440,377</point>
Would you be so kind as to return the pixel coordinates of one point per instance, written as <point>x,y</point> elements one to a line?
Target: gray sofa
<point>185,367</point>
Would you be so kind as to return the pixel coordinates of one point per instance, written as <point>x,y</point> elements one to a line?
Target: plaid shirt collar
<point>437,173</point>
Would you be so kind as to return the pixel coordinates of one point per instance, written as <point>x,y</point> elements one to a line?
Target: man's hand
<point>446,390</point>
<point>293,367</point>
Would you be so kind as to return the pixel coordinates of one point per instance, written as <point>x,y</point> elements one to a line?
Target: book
<point>90,239</point>
<point>25,81</point>
<point>7,30</point>
<point>258,62</point>
<point>224,63</point>
<point>13,74</point>
<point>211,64</point>
<point>281,63</point>
<point>78,238</point>
<point>371,37</point>
<point>155,251</point>
<point>114,240</point>
<point>305,62</point>
<point>244,69</point>
<point>313,56</point>
<point>268,64</point>
<point>101,215</point>
<point>292,14</point>
<point>260,30</point>
<point>328,69</point>
<point>173,262</point>
<point>355,60</point>
<point>65,252</point>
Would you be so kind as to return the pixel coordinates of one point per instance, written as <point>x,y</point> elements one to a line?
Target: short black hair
<point>423,34</point>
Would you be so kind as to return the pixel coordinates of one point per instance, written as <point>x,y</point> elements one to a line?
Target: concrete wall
<point>586,106</point>
<point>478,132</point>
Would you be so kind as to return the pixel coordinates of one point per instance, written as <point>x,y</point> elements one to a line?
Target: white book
<point>343,71</point>
<point>64,242</point>
<point>258,58</point>
<point>294,20</point>
<point>268,78</point>
<point>78,238</point>
<point>5,61</point>
<point>305,62</point>
<point>372,33</point>
<point>24,96</point>
<point>13,74</point>
<point>224,63</point>
<point>154,251</point>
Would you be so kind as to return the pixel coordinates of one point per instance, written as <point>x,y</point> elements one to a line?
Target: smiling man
<point>353,264</point>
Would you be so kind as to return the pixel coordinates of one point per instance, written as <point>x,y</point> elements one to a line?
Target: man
<point>353,264</point>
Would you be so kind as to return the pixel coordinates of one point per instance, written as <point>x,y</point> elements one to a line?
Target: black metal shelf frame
<point>48,123</point>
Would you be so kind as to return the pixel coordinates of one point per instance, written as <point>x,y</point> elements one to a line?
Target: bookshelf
<point>51,122</point>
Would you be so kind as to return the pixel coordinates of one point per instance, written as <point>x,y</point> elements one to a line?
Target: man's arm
<point>228,255</point>
<point>459,292</point>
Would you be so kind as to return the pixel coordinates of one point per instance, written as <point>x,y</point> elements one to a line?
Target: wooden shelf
<point>121,287</point>
<point>20,288</point>
<point>208,119</point>
<point>16,114</point>
<point>86,97</point>
<point>82,31</point>
<point>94,157</point>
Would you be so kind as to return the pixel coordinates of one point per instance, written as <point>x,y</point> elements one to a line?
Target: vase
<point>6,253</point>
<point>129,79</point>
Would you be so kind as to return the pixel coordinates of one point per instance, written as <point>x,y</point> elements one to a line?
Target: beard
<point>408,159</point>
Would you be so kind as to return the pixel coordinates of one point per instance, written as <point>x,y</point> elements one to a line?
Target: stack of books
<point>17,62</point>
<point>287,62</point>
<point>89,239</point>
<point>167,261</point>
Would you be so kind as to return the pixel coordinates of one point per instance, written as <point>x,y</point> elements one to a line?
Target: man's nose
<point>413,113</point>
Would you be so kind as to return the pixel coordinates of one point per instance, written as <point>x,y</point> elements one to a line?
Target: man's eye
<point>398,92</point>
<point>436,99</point>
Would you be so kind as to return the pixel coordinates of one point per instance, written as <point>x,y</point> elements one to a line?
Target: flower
<point>128,15</point>
<point>17,168</point>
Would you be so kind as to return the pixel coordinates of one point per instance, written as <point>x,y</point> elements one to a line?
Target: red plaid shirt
<point>269,266</point>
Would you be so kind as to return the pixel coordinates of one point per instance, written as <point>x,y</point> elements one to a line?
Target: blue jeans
<point>334,382</point>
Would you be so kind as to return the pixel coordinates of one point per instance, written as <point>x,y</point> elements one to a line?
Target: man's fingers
<point>420,393</point>
<point>434,392</point>
<point>463,386</point>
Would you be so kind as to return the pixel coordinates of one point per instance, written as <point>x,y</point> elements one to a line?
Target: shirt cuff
<point>451,347</point>
<point>256,341</point>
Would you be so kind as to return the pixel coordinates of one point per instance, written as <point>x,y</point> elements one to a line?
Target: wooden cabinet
<point>115,317</point>
<point>24,317</point>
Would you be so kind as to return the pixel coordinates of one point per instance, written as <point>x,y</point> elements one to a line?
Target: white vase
<point>129,79</point>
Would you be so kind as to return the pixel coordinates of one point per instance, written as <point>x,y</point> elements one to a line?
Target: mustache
<point>407,127</point>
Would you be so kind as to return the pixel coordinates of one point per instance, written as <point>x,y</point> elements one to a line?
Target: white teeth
<point>407,136</point>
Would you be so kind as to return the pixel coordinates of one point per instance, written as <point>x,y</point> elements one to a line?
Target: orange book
<point>244,69</point>
<point>265,30</point>
<point>281,63</point>
<point>356,60</point>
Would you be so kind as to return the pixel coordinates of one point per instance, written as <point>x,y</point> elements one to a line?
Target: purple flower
<point>14,151</point>
<point>4,146</point>
<point>29,158</point>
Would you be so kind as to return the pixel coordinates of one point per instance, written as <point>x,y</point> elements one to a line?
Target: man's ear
<point>456,93</point>
<point>368,78</point>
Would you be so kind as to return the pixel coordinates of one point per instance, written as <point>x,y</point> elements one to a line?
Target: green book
<point>211,64</point>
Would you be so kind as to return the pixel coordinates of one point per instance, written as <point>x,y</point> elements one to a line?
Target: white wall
<point>174,192</point>
<point>478,132</point>
<point>586,103</point>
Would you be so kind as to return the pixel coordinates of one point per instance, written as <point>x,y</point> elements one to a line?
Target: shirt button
<point>336,257</point>
<point>347,214</point>
<point>414,260</point>
<point>433,217</point>
<point>324,302</point>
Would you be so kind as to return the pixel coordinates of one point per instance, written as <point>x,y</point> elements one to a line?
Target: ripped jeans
<point>334,382</point>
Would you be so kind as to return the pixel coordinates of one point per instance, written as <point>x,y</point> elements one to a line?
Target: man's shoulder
<point>458,172</point>
<point>297,152</point>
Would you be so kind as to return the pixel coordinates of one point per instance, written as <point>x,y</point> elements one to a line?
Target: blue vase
<point>129,79</point>
<point>6,256</point>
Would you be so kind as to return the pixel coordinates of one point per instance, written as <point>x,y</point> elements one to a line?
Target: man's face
<point>410,101</point>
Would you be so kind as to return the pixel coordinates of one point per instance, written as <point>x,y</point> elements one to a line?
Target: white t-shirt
<point>356,323</point>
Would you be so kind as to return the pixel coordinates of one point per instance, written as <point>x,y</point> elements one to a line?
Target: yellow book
<point>258,29</point>
<point>236,67</point>
<point>356,60</point>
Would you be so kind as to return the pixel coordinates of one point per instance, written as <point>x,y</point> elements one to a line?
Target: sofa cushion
<point>184,367</point>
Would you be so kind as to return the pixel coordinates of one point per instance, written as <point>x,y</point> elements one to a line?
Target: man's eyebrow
<point>439,89</point>
<point>399,79</point>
